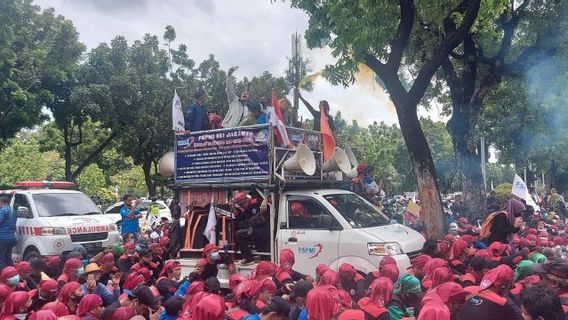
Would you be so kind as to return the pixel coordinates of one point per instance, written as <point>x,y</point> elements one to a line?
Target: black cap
<point>145,296</point>
<point>301,289</point>
<point>212,285</point>
<point>144,253</point>
<point>279,306</point>
<point>558,268</point>
<point>254,106</point>
<point>478,263</point>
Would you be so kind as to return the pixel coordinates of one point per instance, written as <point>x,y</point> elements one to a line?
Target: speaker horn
<point>353,173</point>
<point>351,156</point>
<point>302,161</point>
<point>166,165</point>
<point>338,162</point>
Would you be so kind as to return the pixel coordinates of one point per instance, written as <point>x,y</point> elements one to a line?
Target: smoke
<point>366,79</point>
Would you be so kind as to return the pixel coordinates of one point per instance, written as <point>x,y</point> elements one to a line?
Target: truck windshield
<point>358,212</point>
<point>64,204</point>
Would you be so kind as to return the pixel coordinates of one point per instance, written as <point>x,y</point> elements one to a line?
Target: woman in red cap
<point>390,271</point>
<point>211,307</point>
<point>246,294</point>
<point>264,269</point>
<point>266,291</point>
<point>10,277</point>
<point>417,266</point>
<point>352,281</point>
<point>375,306</point>
<point>72,269</point>
<point>25,270</point>
<point>429,268</point>
<point>169,280</point>
<point>442,302</point>
<point>287,260</point>
<point>70,296</point>
<point>90,307</point>
<point>43,315</point>
<point>16,307</point>
<point>128,259</point>
<point>492,301</point>
<point>47,292</point>
<point>322,303</point>
<point>107,268</point>
<point>5,292</point>
<point>330,278</point>
<point>212,258</point>
<point>193,290</point>
<point>441,275</point>
<point>458,254</point>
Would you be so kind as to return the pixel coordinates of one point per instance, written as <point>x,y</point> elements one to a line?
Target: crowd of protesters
<point>506,269</point>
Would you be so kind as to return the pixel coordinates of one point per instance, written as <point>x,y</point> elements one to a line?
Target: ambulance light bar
<point>45,184</point>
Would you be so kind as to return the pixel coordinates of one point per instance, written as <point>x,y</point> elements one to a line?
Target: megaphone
<point>166,165</point>
<point>302,161</point>
<point>353,173</point>
<point>351,156</point>
<point>338,162</point>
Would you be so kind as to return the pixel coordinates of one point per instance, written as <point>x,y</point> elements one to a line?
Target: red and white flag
<point>277,120</point>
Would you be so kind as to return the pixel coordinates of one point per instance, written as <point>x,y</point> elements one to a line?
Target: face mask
<point>80,271</point>
<point>215,256</point>
<point>20,316</point>
<point>14,280</point>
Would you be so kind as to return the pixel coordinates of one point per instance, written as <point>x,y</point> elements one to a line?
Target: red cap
<point>240,197</point>
<point>347,271</point>
<point>52,261</point>
<point>23,266</point>
<point>419,261</point>
<point>130,245</point>
<point>533,231</point>
<point>208,248</point>
<point>109,257</point>
<point>49,286</point>
<point>297,208</point>
<point>7,273</point>
<point>498,277</point>
<point>321,269</point>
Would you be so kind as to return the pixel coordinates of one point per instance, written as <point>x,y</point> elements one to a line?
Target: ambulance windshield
<point>64,204</point>
<point>358,212</point>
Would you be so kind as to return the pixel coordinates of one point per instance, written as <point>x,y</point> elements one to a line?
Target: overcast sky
<point>252,34</point>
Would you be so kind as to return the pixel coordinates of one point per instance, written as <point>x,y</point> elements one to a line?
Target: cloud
<point>252,34</point>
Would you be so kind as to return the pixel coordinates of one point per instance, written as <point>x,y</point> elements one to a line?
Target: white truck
<point>340,227</point>
<point>52,220</point>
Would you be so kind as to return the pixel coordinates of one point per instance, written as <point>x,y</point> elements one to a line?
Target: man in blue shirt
<point>8,220</point>
<point>130,216</point>
<point>196,116</point>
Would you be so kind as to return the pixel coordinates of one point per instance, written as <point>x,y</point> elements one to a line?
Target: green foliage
<point>503,192</point>
<point>92,180</point>
<point>22,160</point>
<point>130,181</point>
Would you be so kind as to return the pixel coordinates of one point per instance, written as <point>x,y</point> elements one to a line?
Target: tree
<point>516,37</point>
<point>365,32</point>
<point>38,52</point>
<point>22,160</point>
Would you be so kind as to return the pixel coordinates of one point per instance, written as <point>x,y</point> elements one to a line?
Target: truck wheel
<point>32,255</point>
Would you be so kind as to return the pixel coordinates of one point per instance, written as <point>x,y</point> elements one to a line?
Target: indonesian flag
<point>277,121</point>
<point>209,231</point>
<point>327,137</point>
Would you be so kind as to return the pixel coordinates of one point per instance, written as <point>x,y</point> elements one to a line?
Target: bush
<point>503,192</point>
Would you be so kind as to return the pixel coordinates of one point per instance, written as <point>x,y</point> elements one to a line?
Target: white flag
<point>177,114</point>
<point>278,125</point>
<point>210,232</point>
<point>520,190</point>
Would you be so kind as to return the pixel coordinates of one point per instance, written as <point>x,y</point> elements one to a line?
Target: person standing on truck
<point>196,116</point>
<point>252,226</point>
<point>130,217</point>
<point>324,107</point>
<point>8,219</point>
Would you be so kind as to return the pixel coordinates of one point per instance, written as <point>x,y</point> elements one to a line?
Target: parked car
<point>114,211</point>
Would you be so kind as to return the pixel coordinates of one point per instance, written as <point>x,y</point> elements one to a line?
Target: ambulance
<point>338,226</point>
<point>53,219</point>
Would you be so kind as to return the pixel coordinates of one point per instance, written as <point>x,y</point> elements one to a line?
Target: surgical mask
<point>215,256</point>
<point>14,280</point>
<point>20,316</point>
<point>80,271</point>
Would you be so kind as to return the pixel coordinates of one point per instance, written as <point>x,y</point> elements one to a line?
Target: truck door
<point>313,233</point>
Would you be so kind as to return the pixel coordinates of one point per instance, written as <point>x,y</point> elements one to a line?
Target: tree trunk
<point>461,127</point>
<point>423,166</point>
<point>68,157</point>
<point>147,168</point>
<point>93,156</point>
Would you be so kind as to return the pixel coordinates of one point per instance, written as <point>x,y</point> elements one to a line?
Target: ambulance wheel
<point>32,255</point>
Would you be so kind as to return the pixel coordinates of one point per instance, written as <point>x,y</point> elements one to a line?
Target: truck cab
<point>339,226</point>
<point>52,221</point>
